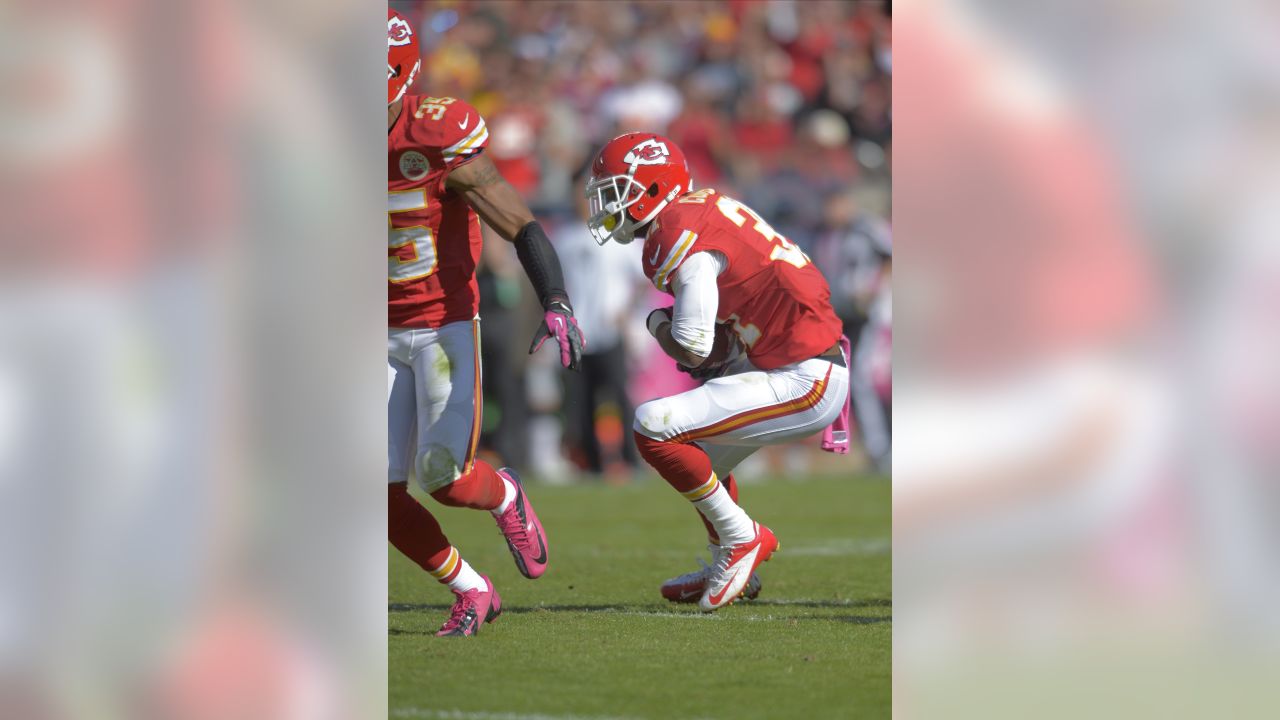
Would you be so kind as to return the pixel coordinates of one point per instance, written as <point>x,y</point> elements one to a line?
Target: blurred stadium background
<point>785,106</point>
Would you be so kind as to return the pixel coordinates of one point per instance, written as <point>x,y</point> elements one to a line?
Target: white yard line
<point>659,613</point>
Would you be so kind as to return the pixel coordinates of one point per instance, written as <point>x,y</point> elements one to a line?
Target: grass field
<point>593,638</point>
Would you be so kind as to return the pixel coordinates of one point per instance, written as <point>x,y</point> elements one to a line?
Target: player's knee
<point>480,488</point>
<point>649,448</point>
<point>653,419</point>
<point>437,468</point>
<point>450,495</point>
<point>455,492</point>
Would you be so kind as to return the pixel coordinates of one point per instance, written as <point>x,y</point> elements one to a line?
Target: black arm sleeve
<point>541,264</point>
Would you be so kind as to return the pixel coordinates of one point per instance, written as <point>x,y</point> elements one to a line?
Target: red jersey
<point>433,238</point>
<point>770,292</point>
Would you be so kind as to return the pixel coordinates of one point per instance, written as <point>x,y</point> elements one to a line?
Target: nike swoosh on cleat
<point>542,552</point>
<point>524,517</point>
<point>464,122</point>
<point>716,598</point>
<point>745,564</point>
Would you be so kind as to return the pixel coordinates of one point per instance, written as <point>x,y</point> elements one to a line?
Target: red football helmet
<point>403,56</point>
<point>632,179</point>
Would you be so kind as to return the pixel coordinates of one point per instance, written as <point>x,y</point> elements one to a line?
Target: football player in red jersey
<point>441,185</point>
<point>752,314</point>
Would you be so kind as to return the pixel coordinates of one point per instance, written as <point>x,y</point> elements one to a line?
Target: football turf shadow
<point>851,619</point>
<point>520,610</point>
<point>650,610</point>
<point>614,607</point>
<point>855,619</point>
<point>867,603</point>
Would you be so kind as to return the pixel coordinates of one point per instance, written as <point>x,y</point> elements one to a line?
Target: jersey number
<point>433,106</point>
<point>782,248</point>
<point>411,251</point>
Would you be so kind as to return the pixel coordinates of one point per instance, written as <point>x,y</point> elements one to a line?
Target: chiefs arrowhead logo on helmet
<point>649,152</point>
<point>633,178</point>
<point>398,32</point>
<point>403,57</point>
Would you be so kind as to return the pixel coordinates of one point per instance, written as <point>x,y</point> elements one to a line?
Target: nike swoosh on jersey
<point>654,260</point>
<point>465,120</point>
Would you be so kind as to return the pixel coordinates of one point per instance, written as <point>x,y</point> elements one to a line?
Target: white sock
<point>730,521</point>
<point>465,579</point>
<point>507,499</point>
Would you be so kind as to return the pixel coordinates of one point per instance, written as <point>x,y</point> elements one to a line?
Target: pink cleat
<point>472,609</point>
<point>525,536</point>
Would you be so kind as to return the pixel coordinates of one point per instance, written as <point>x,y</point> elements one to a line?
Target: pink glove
<point>558,322</point>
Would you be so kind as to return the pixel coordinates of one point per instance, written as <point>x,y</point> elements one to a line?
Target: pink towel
<point>836,437</point>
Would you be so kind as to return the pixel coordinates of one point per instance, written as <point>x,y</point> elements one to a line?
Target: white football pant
<point>433,402</point>
<point>732,416</point>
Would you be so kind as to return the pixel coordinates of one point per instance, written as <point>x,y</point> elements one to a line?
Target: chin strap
<point>638,229</point>
<point>675,193</point>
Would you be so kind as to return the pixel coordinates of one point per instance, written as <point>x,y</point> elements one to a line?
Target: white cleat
<point>688,588</point>
<point>728,577</point>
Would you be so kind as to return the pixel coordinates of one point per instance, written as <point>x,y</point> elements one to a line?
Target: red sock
<point>684,466</point>
<point>413,530</point>
<point>732,487</point>
<point>481,489</point>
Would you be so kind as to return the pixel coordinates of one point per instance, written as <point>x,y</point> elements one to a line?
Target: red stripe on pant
<point>805,402</point>
<point>477,402</point>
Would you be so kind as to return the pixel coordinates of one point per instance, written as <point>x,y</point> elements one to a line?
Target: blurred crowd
<point>785,106</point>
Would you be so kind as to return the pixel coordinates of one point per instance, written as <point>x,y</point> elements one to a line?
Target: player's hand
<point>558,322</point>
<point>705,371</point>
<point>725,345</point>
<point>656,319</point>
<point>724,350</point>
